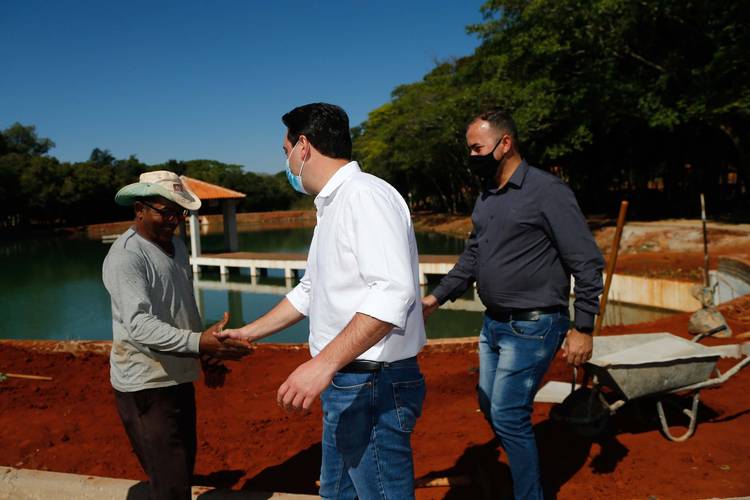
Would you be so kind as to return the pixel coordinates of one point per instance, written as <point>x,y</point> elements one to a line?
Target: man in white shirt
<point>360,292</point>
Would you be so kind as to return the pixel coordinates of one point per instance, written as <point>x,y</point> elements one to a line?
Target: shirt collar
<point>337,179</point>
<point>517,178</point>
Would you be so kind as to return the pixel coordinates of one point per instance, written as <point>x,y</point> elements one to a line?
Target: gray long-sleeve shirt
<point>156,326</point>
<point>528,238</point>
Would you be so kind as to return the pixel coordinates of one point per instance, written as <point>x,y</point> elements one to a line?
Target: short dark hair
<point>501,120</point>
<point>326,126</point>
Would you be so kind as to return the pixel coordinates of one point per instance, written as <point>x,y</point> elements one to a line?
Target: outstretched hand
<point>240,334</point>
<point>219,348</point>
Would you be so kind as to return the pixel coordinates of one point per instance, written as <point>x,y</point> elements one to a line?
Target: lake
<point>52,289</point>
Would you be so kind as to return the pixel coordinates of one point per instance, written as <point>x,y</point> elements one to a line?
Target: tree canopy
<point>36,188</point>
<point>650,100</point>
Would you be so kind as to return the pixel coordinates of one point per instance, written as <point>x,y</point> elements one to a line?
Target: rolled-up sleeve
<point>299,296</point>
<point>380,241</point>
<point>578,250</point>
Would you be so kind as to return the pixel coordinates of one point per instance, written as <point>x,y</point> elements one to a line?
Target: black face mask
<point>485,166</point>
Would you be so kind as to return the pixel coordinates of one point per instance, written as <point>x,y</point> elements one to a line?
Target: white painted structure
<point>291,264</point>
<point>633,290</point>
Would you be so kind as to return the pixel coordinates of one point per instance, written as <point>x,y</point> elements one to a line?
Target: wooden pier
<point>635,290</point>
<point>293,263</point>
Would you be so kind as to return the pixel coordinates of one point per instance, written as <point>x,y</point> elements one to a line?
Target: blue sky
<point>210,79</point>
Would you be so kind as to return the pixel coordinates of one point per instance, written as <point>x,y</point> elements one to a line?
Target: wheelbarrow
<point>628,367</point>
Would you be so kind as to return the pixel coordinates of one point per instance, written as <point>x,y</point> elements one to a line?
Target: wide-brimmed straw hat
<point>159,183</point>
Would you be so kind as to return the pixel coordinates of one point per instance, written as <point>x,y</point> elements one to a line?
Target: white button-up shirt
<point>363,258</point>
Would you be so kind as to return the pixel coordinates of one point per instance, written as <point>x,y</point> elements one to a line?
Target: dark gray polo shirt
<point>528,238</point>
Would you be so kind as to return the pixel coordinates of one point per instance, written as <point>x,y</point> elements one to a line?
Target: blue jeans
<point>367,424</point>
<point>513,358</point>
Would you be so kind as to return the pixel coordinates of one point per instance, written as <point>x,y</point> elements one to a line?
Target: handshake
<point>215,346</point>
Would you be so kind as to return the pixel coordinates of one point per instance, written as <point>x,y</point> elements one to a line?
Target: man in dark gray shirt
<point>529,236</point>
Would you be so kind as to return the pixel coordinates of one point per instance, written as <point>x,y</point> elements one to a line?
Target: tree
<point>613,93</point>
<point>101,157</point>
<point>23,139</point>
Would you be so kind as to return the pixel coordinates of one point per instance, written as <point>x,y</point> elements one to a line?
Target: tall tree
<point>616,94</point>
<point>23,139</point>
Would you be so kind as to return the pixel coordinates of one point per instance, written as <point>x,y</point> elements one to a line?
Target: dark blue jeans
<point>513,358</point>
<point>367,424</point>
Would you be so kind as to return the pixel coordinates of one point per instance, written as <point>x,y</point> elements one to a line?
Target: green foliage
<point>36,189</point>
<point>22,139</point>
<point>612,92</point>
<point>101,157</point>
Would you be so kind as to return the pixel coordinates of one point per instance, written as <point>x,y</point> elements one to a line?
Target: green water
<point>51,287</point>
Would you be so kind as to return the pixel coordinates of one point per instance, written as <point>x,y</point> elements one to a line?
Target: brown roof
<point>207,191</point>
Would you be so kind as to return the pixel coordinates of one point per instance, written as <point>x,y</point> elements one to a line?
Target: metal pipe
<point>716,381</point>
<point>706,278</point>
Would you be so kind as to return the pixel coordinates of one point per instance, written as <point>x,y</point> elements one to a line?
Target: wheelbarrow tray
<point>649,363</point>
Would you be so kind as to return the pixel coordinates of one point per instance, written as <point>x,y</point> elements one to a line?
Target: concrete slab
<point>27,484</point>
<point>553,392</point>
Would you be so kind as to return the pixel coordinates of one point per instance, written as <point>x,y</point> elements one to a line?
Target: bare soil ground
<point>247,442</point>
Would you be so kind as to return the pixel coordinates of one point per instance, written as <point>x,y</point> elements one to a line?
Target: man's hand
<point>242,334</point>
<point>221,349</point>
<point>429,305</point>
<point>304,385</point>
<point>214,371</point>
<point>577,347</point>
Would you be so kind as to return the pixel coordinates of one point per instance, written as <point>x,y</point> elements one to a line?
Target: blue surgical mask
<point>295,180</point>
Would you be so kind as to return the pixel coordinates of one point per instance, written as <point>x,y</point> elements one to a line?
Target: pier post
<point>230,225</point>
<point>195,239</point>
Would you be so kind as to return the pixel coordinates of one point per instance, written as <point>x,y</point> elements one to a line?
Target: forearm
<point>358,336</point>
<point>283,315</point>
<point>459,279</point>
<point>158,335</point>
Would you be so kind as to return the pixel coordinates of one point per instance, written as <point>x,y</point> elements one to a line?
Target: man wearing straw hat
<point>529,236</point>
<point>158,335</point>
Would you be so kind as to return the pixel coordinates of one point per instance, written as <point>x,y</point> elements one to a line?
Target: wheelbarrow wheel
<point>584,412</point>
<point>692,414</point>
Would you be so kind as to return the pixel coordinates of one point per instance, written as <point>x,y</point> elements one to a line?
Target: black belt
<point>506,315</point>
<point>364,365</point>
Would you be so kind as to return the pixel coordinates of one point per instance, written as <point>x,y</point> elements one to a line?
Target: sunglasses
<point>168,214</point>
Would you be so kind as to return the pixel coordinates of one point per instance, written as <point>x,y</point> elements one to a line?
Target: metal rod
<point>692,414</point>
<point>718,380</point>
<point>706,278</point>
<point>28,377</point>
<point>611,265</point>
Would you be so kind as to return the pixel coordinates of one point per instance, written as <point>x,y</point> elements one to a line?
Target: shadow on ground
<point>296,475</point>
<point>563,452</point>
